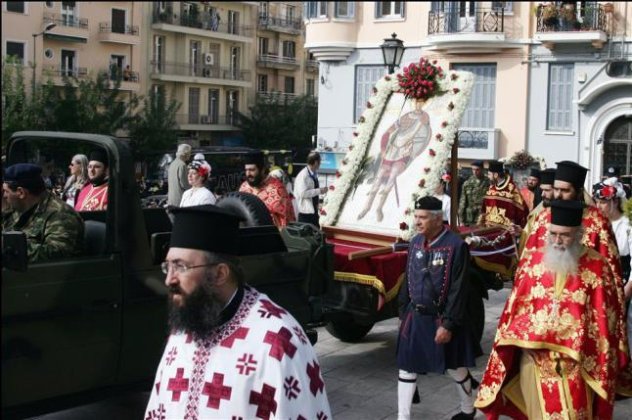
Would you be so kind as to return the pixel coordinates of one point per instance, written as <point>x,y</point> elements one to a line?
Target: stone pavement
<point>361,378</point>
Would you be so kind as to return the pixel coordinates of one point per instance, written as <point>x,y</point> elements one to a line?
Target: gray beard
<point>562,262</point>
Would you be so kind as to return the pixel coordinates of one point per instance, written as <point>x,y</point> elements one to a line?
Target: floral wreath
<point>523,160</point>
<point>418,81</point>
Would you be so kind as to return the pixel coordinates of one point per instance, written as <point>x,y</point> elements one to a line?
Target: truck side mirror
<point>14,256</point>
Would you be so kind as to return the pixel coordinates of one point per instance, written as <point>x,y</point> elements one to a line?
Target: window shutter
<point>378,9</point>
<point>480,112</point>
<point>560,97</point>
<point>351,9</point>
<point>402,7</point>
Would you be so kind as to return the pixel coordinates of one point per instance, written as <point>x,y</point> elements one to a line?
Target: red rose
<point>338,174</point>
<point>450,106</point>
<point>422,183</point>
<point>361,119</point>
<point>456,90</point>
<point>387,77</point>
<point>369,104</point>
<point>323,212</point>
<point>454,76</point>
<point>351,147</point>
<point>403,226</point>
<point>432,152</point>
<point>444,124</point>
<point>426,170</point>
<point>355,134</point>
<point>331,188</point>
<point>439,137</point>
<point>434,62</point>
<point>344,161</point>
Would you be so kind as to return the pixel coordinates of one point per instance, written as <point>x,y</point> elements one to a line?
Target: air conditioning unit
<point>209,59</point>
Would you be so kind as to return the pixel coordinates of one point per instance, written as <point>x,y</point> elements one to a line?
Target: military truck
<point>98,321</point>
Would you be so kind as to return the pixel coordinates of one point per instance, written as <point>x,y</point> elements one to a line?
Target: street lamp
<point>392,50</point>
<point>48,27</point>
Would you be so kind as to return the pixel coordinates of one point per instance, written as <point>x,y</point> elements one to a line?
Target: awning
<point>66,38</point>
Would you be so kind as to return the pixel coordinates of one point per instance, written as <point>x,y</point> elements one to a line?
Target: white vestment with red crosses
<point>258,365</point>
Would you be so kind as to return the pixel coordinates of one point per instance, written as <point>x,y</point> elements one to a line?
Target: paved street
<point>361,380</point>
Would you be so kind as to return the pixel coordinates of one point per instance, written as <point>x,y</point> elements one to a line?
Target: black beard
<point>531,188</point>
<point>98,180</point>
<point>546,202</point>
<point>256,181</point>
<point>199,313</point>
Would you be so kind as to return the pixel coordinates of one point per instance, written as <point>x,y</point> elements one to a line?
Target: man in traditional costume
<point>503,205</point>
<point>547,177</point>
<point>232,352</point>
<point>94,195</point>
<point>434,334</point>
<point>472,195</point>
<point>557,349</point>
<point>402,142</point>
<point>269,189</point>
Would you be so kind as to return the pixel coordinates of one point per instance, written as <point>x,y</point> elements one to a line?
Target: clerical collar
<point>230,309</point>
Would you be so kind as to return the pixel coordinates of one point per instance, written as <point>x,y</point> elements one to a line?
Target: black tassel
<point>416,398</point>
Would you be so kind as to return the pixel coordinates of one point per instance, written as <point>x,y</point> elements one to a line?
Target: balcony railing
<point>478,143</point>
<point>202,21</point>
<point>277,59</point>
<point>552,18</point>
<point>106,27</point>
<point>180,69</point>
<point>311,65</point>
<point>482,21</point>
<point>66,20</point>
<point>266,20</point>
<point>124,75</point>
<point>277,96</point>
<point>79,72</point>
<point>207,119</point>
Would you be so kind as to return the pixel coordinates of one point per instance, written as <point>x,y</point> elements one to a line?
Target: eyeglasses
<point>180,267</point>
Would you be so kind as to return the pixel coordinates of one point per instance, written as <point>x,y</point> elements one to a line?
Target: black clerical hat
<point>535,172</point>
<point>254,159</point>
<point>207,228</point>
<point>428,203</point>
<point>567,212</point>
<point>496,166</point>
<point>572,172</point>
<point>100,156</point>
<point>547,176</point>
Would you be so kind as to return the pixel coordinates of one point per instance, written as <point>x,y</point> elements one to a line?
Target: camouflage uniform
<point>53,229</point>
<point>474,190</point>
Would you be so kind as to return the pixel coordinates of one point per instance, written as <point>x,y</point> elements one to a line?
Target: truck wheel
<point>345,328</point>
<point>248,206</point>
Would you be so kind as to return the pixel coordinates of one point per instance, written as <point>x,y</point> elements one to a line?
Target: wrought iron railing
<point>270,96</point>
<point>124,75</point>
<point>567,18</point>
<point>276,58</point>
<point>266,21</point>
<point>107,27</point>
<point>201,21</point>
<point>450,21</point>
<point>200,70</point>
<point>66,20</point>
<point>475,139</point>
<point>55,70</point>
<point>311,65</point>
<point>207,119</point>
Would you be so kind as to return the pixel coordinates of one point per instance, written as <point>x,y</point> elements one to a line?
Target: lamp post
<point>48,27</point>
<point>392,50</point>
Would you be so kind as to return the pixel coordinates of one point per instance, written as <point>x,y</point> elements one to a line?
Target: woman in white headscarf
<point>198,194</point>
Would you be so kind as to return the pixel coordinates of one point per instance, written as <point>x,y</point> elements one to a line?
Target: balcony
<point>124,34</point>
<point>311,66</point>
<point>275,61</point>
<point>277,24</point>
<point>201,25</point>
<point>277,97</point>
<point>482,33</point>
<point>569,25</point>
<point>130,80</point>
<point>478,143</point>
<point>188,73</point>
<point>206,122</point>
<point>68,29</point>
<point>57,73</point>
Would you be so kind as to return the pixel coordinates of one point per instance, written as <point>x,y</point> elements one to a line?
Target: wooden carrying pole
<point>454,183</point>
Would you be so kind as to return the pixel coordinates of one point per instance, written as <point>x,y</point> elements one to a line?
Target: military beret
<point>477,163</point>
<point>24,175</point>
<point>428,203</point>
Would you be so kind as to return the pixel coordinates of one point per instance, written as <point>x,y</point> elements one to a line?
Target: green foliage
<point>277,122</point>
<point>154,127</point>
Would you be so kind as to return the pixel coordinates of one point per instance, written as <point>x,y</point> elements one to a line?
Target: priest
<point>547,177</point>
<point>503,205</point>
<point>93,196</point>
<point>232,352</point>
<point>557,349</point>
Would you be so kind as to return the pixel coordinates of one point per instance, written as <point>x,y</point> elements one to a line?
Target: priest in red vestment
<point>269,189</point>
<point>94,194</point>
<point>557,350</point>
<point>503,205</point>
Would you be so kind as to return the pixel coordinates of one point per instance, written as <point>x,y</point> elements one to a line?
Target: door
<point>117,64</point>
<point>467,16</point>
<point>233,22</point>
<point>118,21</point>
<point>194,58</point>
<point>235,52</point>
<point>213,106</point>
<point>159,54</point>
<point>232,106</point>
<point>194,105</point>
<point>68,63</point>
<point>618,146</point>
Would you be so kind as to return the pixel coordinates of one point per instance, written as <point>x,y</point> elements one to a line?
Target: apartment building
<point>75,39</point>
<point>540,87</point>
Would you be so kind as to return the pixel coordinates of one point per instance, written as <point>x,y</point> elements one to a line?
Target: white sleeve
<point>301,188</point>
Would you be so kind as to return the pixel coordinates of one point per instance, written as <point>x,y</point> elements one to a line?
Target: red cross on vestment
<point>264,401</point>
<point>269,309</point>
<point>216,391</point>
<point>280,343</point>
<point>246,363</point>
<point>178,384</point>
<point>315,383</point>
<point>241,334</point>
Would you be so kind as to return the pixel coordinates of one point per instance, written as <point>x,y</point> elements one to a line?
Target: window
<point>289,85</point>
<point>159,53</point>
<point>262,83</point>
<point>389,9</point>
<point>560,97</point>
<point>289,13</point>
<point>263,46</point>
<point>49,4</point>
<point>68,17</point>
<point>68,63</point>
<point>366,77</point>
<point>507,6</point>
<point>15,6</point>
<point>310,87</point>
<point>15,50</point>
<point>480,112</point>
<point>194,105</point>
<point>232,107</point>
<point>117,64</point>
<point>118,21</point>
<point>315,9</point>
<point>263,8</point>
<point>194,57</point>
<point>289,48</point>
<point>213,106</point>
<point>344,9</point>
<point>233,22</point>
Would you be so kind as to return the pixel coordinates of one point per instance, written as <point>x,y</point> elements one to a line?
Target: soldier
<point>474,189</point>
<point>53,229</point>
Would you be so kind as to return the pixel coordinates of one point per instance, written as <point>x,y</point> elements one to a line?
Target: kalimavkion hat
<point>100,156</point>
<point>477,163</point>
<point>496,166</point>
<point>567,212</point>
<point>207,228</point>
<point>547,176</point>
<point>254,159</point>
<point>571,172</point>
<point>535,172</point>
<point>428,203</point>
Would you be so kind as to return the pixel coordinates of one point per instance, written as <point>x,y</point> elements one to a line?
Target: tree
<point>15,103</point>
<point>280,123</point>
<point>154,127</point>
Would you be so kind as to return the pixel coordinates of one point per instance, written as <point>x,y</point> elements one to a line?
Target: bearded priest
<point>557,350</point>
